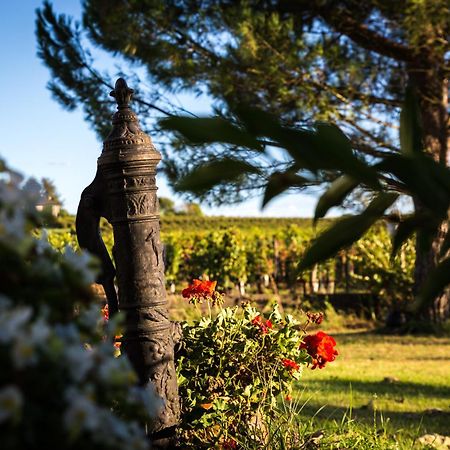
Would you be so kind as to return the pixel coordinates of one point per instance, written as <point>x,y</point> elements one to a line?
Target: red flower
<point>315,317</point>
<point>262,323</point>
<point>199,289</point>
<point>257,320</point>
<point>229,444</point>
<point>292,366</point>
<point>105,312</point>
<point>117,341</point>
<point>320,347</point>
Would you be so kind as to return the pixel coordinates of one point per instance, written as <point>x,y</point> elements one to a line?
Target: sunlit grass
<point>405,380</point>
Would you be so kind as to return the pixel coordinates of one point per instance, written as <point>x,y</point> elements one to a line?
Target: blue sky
<point>40,139</point>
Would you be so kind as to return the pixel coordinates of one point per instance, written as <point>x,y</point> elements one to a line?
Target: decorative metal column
<point>126,173</point>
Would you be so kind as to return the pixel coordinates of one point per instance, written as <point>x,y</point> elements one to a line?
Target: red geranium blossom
<point>199,289</point>
<point>117,342</point>
<point>292,366</point>
<point>320,347</point>
<point>105,312</point>
<point>262,323</point>
<point>229,444</point>
<point>315,317</point>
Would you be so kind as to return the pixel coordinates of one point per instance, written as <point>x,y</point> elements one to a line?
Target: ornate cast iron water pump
<point>124,192</point>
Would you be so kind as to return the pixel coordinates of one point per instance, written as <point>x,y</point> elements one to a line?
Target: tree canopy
<point>344,61</point>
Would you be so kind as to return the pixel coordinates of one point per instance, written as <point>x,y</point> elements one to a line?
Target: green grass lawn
<point>402,382</point>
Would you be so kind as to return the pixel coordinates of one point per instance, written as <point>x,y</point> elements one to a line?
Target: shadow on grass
<point>409,423</point>
<point>377,336</point>
<point>414,422</point>
<point>395,389</point>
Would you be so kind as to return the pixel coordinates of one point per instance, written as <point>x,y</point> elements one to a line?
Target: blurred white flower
<point>120,434</point>
<point>116,371</point>
<point>119,429</point>
<point>147,396</point>
<point>79,360</point>
<point>91,317</point>
<point>11,401</point>
<point>48,268</point>
<point>68,333</point>
<point>39,332</point>
<point>10,194</point>
<point>80,262</point>
<point>82,414</point>
<point>13,224</point>
<point>23,351</point>
<point>42,243</point>
<point>11,322</point>
<point>31,336</point>
<point>137,440</point>
<point>5,302</point>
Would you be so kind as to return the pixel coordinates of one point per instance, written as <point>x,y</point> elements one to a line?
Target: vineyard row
<point>265,257</point>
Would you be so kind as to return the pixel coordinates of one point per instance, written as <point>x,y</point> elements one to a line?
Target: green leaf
<point>410,126</point>
<point>203,178</point>
<point>380,203</point>
<point>436,282</point>
<point>424,224</point>
<point>326,148</point>
<point>211,129</point>
<point>334,145</point>
<point>424,178</point>
<point>403,232</point>
<point>345,232</point>
<point>258,122</point>
<point>334,195</point>
<point>281,181</point>
<point>300,145</point>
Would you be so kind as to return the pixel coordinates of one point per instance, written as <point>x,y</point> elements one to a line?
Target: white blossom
<point>39,332</point>
<point>79,360</point>
<point>80,261</point>
<point>91,317</point>
<point>11,321</point>
<point>23,352</point>
<point>116,371</point>
<point>119,429</point>
<point>30,336</point>
<point>82,414</point>
<point>147,396</point>
<point>11,401</point>
<point>68,333</point>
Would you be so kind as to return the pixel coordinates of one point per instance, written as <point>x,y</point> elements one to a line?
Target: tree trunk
<point>432,87</point>
<point>438,310</point>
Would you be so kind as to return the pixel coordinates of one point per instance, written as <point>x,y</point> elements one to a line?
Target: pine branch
<point>343,22</point>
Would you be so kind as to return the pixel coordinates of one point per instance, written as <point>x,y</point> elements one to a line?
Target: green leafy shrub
<point>376,271</point>
<point>232,370</point>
